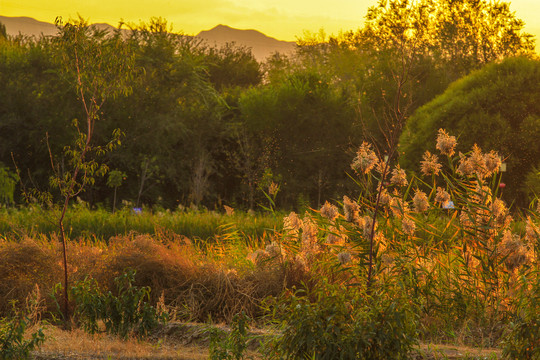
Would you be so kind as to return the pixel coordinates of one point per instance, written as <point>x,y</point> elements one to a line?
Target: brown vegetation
<point>195,286</point>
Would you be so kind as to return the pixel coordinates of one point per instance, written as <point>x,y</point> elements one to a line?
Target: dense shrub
<point>333,322</point>
<point>124,313</point>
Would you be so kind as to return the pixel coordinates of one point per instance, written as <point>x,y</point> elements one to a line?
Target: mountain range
<point>260,44</point>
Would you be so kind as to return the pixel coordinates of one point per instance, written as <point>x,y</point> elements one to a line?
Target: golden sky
<point>282,19</point>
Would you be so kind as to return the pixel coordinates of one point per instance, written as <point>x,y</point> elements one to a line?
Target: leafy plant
<point>115,180</point>
<point>332,322</point>
<point>232,346</point>
<point>13,344</point>
<point>8,180</point>
<point>123,314</point>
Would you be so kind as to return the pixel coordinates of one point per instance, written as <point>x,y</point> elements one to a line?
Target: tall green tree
<point>308,124</point>
<point>172,119</point>
<point>232,65</point>
<point>34,101</point>
<point>407,52</point>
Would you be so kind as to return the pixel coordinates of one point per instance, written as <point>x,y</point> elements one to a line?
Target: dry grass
<point>431,351</point>
<point>23,266</point>
<point>76,344</point>
<point>194,284</point>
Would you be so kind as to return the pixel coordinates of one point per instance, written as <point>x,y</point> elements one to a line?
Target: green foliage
<point>115,178</point>
<point>128,312</point>
<point>307,123</point>
<point>101,224</point>
<point>8,180</point>
<point>333,322</point>
<point>532,184</point>
<point>201,125</point>
<point>231,66</point>
<point>13,343</point>
<point>233,345</point>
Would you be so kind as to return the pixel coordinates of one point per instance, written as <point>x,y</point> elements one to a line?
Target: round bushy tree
<point>497,108</point>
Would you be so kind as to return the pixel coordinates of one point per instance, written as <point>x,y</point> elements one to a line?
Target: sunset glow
<point>282,19</point>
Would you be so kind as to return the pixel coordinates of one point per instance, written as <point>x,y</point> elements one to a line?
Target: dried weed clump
<point>194,285</point>
<point>23,266</point>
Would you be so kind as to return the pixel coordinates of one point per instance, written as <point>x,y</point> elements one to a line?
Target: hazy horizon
<point>280,19</point>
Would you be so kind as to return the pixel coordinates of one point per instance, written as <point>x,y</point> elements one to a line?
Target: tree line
<point>212,126</point>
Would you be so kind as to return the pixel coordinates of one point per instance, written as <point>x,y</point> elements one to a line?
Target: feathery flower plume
<point>309,235</point>
<point>430,164</point>
<point>335,236</point>
<point>273,250</point>
<point>228,210</point>
<point>513,250</point>
<point>499,211</point>
<point>398,206</point>
<point>385,197</point>
<point>442,197</point>
<point>478,162</point>
<point>475,164</point>
<point>493,162</point>
<point>399,177</point>
<point>368,222</point>
<point>466,220</point>
<point>420,201</point>
<point>292,224</point>
<point>329,211</point>
<point>465,167</point>
<point>273,189</point>
<point>381,165</point>
<point>446,143</point>
<point>351,209</point>
<point>365,159</point>
<point>344,257</point>
<point>360,222</point>
<point>408,226</point>
<point>532,233</point>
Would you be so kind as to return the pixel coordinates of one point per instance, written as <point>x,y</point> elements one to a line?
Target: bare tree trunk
<point>199,180</point>
<point>114,200</point>
<point>143,180</point>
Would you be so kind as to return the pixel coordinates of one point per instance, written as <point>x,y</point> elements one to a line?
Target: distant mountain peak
<point>261,45</point>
